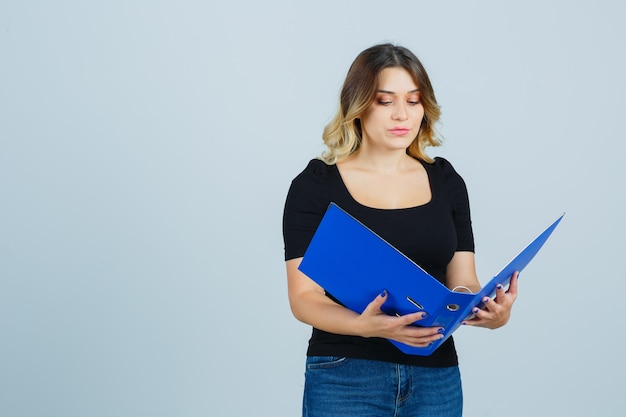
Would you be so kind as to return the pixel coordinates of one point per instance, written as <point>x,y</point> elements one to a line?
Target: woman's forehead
<point>395,80</point>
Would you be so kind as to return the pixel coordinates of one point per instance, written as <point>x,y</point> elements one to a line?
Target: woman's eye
<point>384,102</point>
<point>414,103</point>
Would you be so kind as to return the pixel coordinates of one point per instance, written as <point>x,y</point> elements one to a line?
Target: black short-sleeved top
<point>428,234</point>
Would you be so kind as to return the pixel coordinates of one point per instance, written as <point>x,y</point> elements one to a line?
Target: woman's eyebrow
<point>417,90</point>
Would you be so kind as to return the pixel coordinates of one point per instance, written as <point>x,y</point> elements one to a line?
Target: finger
<point>494,315</point>
<point>494,308</point>
<point>413,317</point>
<point>489,305</point>
<point>415,342</point>
<point>421,342</point>
<point>377,303</point>
<point>486,312</point>
<point>477,318</point>
<point>425,336</point>
<point>473,322</point>
<point>513,286</point>
<point>500,293</point>
<point>430,333</point>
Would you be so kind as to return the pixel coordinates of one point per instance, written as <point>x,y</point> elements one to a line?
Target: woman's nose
<point>399,112</point>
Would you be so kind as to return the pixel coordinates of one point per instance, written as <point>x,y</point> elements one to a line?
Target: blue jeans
<point>344,387</point>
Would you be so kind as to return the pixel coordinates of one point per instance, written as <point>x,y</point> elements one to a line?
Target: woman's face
<point>393,119</point>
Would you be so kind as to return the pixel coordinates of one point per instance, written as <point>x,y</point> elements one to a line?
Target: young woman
<point>376,169</point>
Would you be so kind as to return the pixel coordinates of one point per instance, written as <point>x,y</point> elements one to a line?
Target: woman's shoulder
<point>316,171</point>
<point>449,177</point>
<point>444,168</point>
<point>442,164</point>
<point>310,190</point>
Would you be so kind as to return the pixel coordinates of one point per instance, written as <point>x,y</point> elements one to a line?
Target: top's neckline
<point>429,202</point>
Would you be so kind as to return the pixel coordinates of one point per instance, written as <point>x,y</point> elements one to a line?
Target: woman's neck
<point>383,162</point>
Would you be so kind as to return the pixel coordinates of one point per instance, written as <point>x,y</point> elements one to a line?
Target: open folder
<point>354,265</point>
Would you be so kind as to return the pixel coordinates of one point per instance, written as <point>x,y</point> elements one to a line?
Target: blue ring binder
<point>354,264</point>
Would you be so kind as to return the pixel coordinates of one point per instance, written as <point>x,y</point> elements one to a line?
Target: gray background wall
<point>146,148</point>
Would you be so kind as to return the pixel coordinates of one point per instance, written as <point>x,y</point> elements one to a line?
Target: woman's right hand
<point>310,305</point>
<point>373,322</point>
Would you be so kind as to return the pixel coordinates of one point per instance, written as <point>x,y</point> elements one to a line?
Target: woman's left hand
<point>496,312</point>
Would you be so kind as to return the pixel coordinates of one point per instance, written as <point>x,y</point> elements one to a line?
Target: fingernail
<point>499,286</point>
<point>475,310</point>
<point>441,330</point>
<point>424,315</point>
<point>384,293</point>
<point>486,299</point>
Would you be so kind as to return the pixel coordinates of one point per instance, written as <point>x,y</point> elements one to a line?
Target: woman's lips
<point>399,131</point>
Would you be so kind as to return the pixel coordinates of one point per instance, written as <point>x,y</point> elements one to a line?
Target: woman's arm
<point>461,272</point>
<point>310,305</point>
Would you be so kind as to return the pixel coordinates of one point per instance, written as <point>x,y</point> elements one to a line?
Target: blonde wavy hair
<point>342,135</point>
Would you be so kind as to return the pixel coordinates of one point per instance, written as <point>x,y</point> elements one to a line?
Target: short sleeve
<point>456,191</point>
<point>307,201</point>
